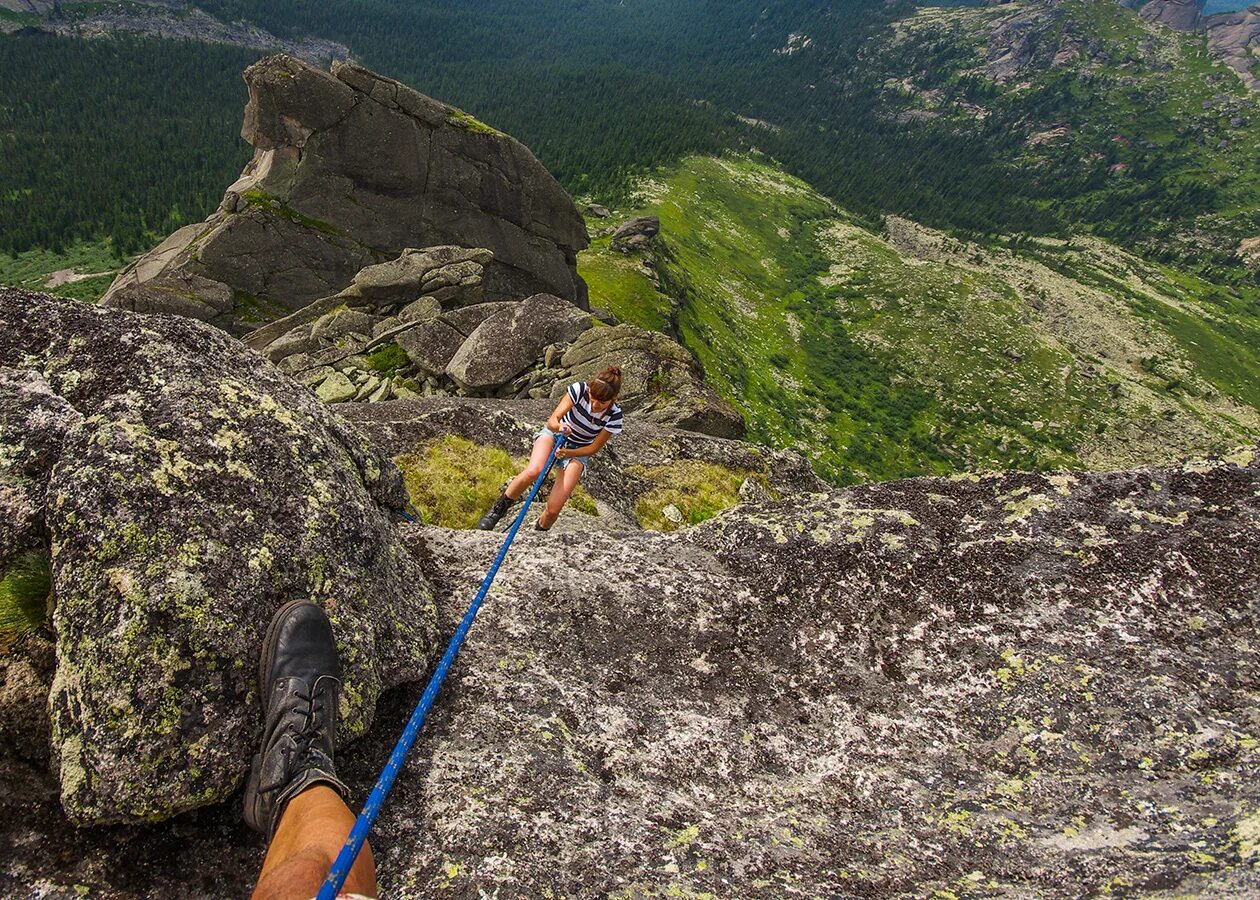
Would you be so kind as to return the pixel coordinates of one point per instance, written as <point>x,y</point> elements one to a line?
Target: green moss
<point>387,359</point>
<point>461,119</point>
<point>250,308</point>
<point>700,490</point>
<point>25,592</point>
<point>276,206</point>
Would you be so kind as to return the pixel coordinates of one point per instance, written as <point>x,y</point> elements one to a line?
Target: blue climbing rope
<point>358,834</point>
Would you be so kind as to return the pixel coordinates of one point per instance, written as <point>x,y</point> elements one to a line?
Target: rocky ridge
<point>1003,683</point>
<point>349,169</point>
<point>420,325</point>
<point>163,19</point>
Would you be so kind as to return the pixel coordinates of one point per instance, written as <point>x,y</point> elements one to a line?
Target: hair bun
<point>607,384</point>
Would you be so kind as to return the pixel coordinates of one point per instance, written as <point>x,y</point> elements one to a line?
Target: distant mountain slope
<point>160,18</point>
<point>901,351</point>
<point>1111,123</point>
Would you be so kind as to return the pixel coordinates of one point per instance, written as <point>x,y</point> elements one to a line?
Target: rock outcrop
<point>183,489</point>
<point>1235,38</point>
<point>349,169</point>
<point>1183,15</point>
<point>636,234</point>
<point>427,306</point>
<point>983,685</point>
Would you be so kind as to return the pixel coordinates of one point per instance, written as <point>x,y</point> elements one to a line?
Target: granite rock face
<point>1235,38</point>
<point>994,685</point>
<point>349,169</point>
<point>184,489</point>
<point>1183,15</point>
<point>1004,685</point>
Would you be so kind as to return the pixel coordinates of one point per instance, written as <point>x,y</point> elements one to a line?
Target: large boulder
<point>184,489</point>
<point>1235,38</point>
<point>349,169</point>
<point>436,277</point>
<point>636,234</point>
<point>513,339</point>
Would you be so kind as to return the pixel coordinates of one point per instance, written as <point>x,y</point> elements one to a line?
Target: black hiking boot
<point>496,512</point>
<point>298,680</point>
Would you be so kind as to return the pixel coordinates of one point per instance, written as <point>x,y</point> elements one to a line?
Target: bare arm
<point>553,424</point>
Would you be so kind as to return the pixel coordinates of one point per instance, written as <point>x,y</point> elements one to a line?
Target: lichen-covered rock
<point>185,489</point>
<point>998,685</point>
<point>1017,685</point>
<point>350,168</point>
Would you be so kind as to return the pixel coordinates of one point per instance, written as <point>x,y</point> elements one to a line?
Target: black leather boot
<point>496,512</point>
<point>299,679</point>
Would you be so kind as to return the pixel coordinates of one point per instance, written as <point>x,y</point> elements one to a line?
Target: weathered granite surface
<point>185,489</point>
<point>349,169</point>
<point>1001,685</point>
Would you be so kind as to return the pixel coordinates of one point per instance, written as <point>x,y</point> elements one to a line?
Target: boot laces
<point>302,749</point>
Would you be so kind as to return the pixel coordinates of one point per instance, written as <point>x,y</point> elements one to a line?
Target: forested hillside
<point>125,138</point>
<point>899,350</point>
<point>880,108</point>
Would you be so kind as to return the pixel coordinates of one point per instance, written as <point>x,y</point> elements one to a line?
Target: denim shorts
<point>561,463</point>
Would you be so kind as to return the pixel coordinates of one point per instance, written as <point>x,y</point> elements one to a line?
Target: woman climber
<point>588,416</point>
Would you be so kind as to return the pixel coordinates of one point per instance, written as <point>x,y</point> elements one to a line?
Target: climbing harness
<point>358,834</point>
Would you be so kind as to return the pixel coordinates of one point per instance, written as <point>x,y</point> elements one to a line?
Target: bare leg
<point>537,459</point>
<point>566,481</point>
<point>311,832</point>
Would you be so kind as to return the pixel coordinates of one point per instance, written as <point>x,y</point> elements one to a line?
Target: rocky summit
<point>350,168</point>
<point>986,685</point>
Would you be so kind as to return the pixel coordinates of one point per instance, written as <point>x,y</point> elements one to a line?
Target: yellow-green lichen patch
<point>1247,833</point>
<point>1023,503</point>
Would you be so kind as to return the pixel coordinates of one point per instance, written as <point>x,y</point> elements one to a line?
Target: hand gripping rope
<point>358,834</point>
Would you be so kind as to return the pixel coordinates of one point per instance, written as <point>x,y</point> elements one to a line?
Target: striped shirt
<point>585,424</point>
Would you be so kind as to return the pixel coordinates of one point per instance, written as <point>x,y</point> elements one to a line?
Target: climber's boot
<point>299,678</point>
<point>495,513</point>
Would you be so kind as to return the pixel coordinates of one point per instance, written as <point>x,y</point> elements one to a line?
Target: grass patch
<point>32,269</point>
<point>453,481</point>
<point>461,119</point>
<point>700,490</point>
<point>387,359</point>
<point>618,284</point>
<point>24,594</point>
